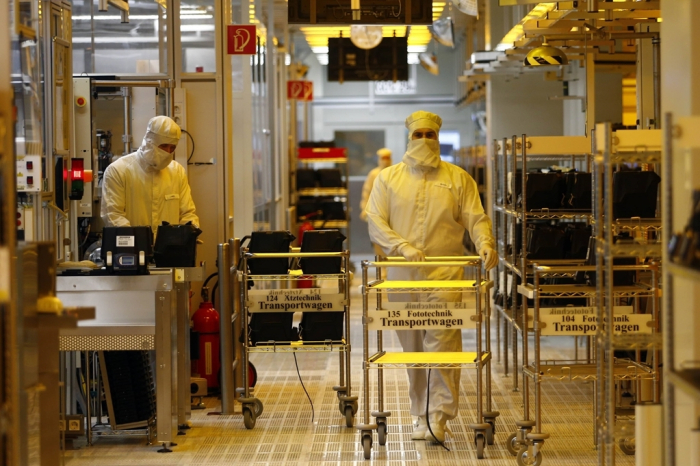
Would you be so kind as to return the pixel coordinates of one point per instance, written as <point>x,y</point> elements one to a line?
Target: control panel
<point>29,179</point>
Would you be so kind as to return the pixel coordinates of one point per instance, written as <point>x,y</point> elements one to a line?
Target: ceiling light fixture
<point>545,55</point>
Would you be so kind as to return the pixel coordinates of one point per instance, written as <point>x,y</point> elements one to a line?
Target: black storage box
<point>578,190</point>
<point>620,278</point>
<point>270,326</point>
<point>321,326</point>
<point>577,239</point>
<point>176,245</point>
<point>329,178</point>
<point>306,178</point>
<point>333,210</point>
<point>322,241</point>
<point>544,191</point>
<point>635,194</point>
<point>269,241</point>
<point>127,250</point>
<point>545,242</point>
<point>307,206</point>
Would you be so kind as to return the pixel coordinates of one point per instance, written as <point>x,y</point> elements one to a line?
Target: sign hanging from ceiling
<point>300,90</point>
<point>241,39</point>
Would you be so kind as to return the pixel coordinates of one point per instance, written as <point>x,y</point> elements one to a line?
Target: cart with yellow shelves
<point>641,333</point>
<point>270,289</point>
<point>376,317</point>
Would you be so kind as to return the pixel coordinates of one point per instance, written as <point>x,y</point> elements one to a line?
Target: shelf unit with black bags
<point>322,187</point>
<point>628,240</point>
<point>512,217</point>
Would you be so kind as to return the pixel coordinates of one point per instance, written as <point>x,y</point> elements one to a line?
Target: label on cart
<point>126,241</point>
<point>296,300</point>
<point>421,316</point>
<point>572,320</point>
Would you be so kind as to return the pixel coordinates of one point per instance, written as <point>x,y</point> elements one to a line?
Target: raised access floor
<point>285,434</point>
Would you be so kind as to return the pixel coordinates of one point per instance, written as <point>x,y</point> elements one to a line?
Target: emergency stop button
<point>80,101</point>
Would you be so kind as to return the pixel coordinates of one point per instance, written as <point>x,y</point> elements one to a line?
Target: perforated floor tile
<point>285,434</point>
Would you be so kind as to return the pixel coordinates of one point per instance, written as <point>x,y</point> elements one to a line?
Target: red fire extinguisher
<point>206,322</point>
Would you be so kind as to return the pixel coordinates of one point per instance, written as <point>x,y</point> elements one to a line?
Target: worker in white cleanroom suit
<point>383,161</point>
<point>148,187</point>
<point>421,207</point>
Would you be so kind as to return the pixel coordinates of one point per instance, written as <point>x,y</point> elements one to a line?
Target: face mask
<point>422,153</point>
<point>155,158</point>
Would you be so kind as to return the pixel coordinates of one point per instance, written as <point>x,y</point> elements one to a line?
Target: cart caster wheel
<point>525,460</point>
<point>512,444</point>
<point>490,438</point>
<point>480,440</point>
<point>258,407</point>
<point>248,418</point>
<point>367,446</point>
<point>381,433</point>
<point>627,445</point>
<point>349,416</point>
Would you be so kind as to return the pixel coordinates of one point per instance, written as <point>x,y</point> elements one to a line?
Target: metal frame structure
<point>252,406</point>
<point>507,214</point>
<point>679,375</point>
<point>613,149</point>
<point>485,421</point>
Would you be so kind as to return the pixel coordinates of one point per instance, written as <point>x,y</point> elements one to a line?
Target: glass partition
<point>103,44</point>
<point>197,36</point>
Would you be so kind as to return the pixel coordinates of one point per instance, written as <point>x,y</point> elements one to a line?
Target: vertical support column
<point>238,326</point>
<point>225,336</point>
<point>590,93</point>
<point>182,289</point>
<point>166,373</point>
<point>680,95</point>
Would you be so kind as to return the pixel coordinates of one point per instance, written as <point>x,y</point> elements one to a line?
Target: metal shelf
<point>583,291</point>
<point>300,347</point>
<point>551,214</point>
<point>322,192</point>
<point>638,341</point>
<point>635,249</point>
<point>682,271</point>
<point>569,371</point>
<point>444,360</point>
<point>687,380</point>
<point>322,160</point>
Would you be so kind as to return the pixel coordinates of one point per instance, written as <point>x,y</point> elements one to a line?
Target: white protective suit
<point>384,161</point>
<point>426,204</point>
<point>148,187</point>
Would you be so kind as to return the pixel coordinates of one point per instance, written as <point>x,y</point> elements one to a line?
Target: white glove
<point>489,256</point>
<point>412,254</point>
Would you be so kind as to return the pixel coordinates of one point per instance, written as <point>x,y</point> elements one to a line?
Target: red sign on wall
<point>300,90</point>
<point>241,39</point>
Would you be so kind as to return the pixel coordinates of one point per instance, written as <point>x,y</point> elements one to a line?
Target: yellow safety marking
<point>425,284</point>
<point>429,358</point>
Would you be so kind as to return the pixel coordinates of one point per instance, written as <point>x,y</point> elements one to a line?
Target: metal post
<point>667,310</point>
<point>225,336</point>
<point>365,344</point>
<point>237,365</point>
<point>126,138</point>
<point>656,63</point>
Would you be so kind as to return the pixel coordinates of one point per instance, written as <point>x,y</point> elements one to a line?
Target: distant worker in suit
<point>383,161</point>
